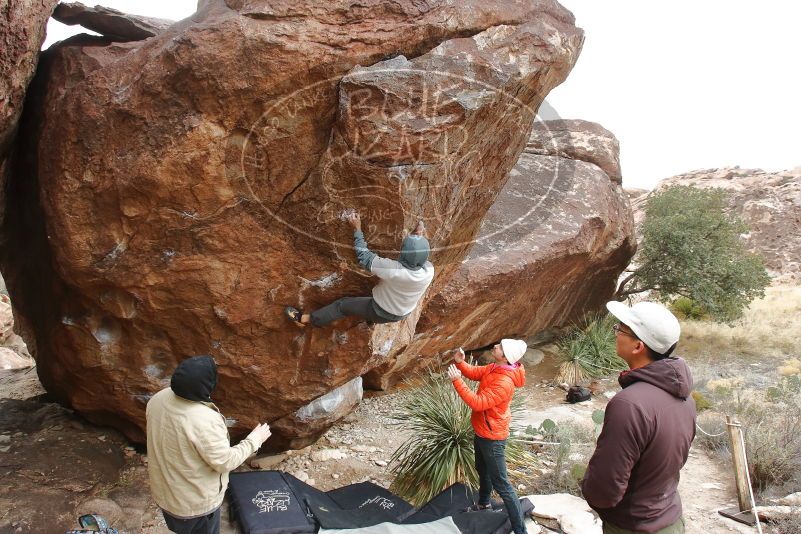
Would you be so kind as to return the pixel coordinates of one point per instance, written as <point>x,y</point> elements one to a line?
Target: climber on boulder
<point>403,283</point>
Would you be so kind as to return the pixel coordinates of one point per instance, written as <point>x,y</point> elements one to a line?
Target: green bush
<point>687,308</point>
<point>588,351</point>
<point>691,247</point>
<point>701,402</point>
<point>440,450</point>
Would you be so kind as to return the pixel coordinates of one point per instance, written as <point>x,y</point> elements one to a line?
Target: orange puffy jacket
<point>490,404</point>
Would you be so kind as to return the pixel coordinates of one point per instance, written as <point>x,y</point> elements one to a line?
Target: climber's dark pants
<point>348,306</point>
<point>206,524</point>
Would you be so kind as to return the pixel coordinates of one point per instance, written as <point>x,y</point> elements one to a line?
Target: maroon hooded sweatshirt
<point>633,476</point>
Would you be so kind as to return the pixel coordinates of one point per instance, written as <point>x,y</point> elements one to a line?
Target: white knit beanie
<point>513,349</point>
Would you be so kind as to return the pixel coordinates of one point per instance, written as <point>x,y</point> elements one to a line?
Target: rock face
<point>109,22</point>
<point>579,140</point>
<point>769,202</point>
<point>302,428</point>
<point>549,249</point>
<point>22,32</point>
<point>177,192</point>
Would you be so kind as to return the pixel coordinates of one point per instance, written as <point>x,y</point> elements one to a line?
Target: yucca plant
<point>588,351</point>
<point>440,450</point>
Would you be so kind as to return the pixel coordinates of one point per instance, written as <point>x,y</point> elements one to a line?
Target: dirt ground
<point>56,466</point>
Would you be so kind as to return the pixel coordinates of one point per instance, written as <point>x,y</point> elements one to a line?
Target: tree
<point>691,247</point>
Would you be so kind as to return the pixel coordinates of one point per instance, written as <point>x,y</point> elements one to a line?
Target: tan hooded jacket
<point>189,452</point>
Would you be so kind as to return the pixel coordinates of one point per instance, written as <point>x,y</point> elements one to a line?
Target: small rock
<point>5,438</point>
<point>303,476</point>
<point>323,455</point>
<point>268,462</point>
<point>102,437</point>
<point>335,476</point>
<point>364,448</point>
<point>794,499</point>
<point>5,449</point>
<point>380,463</point>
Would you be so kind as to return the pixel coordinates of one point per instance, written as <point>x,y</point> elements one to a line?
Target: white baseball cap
<point>513,349</point>
<point>651,322</point>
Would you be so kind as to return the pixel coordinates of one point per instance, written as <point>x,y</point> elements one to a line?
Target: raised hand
<point>261,433</point>
<point>454,373</point>
<point>356,221</point>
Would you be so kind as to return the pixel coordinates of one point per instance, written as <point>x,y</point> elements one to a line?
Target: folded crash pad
<point>263,503</point>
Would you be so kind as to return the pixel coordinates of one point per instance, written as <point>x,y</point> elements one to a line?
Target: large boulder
<point>177,192</point>
<point>300,429</point>
<point>110,22</point>
<point>22,32</point>
<point>549,250</point>
<point>768,202</point>
<point>580,140</point>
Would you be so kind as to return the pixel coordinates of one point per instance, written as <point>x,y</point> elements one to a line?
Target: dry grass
<point>769,328</point>
<point>750,370</point>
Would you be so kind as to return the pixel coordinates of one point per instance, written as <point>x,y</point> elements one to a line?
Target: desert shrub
<point>687,308</point>
<point>588,351</point>
<point>561,467</point>
<point>787,524</point>
<point>439,451</point>
<point>701,402</point>
<point>772,424</point>
<point>791,367</point>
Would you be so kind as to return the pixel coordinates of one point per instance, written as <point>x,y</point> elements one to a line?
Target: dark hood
<point>670,374</point>
<point>414,252</point>
<point>195,378</point>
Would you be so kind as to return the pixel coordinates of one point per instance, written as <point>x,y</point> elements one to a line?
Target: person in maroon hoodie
<point>633,476</point>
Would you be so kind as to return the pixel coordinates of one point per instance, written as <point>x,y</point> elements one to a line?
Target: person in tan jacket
<point>189,451</point>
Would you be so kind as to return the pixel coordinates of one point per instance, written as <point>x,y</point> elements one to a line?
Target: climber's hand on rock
<point>458,355</point>
<point>420,229</point>
<point>454,373</point>
<point>261,433</point>
<point>356,221</point>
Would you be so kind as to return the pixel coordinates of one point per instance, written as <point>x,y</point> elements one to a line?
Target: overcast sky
<point>683,84</point>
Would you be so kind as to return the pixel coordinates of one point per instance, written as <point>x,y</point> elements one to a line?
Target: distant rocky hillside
<point>769,202</point>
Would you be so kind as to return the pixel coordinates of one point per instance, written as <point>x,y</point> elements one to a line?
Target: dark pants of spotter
<point>205,524</point>
<point>347,306</point>
<point>491,467</point>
